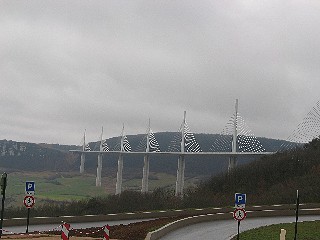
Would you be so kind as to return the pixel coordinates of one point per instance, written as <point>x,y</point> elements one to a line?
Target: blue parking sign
<point>30,186</point>
<point>240,199</point>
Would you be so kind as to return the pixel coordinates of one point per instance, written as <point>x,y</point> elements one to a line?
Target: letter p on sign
<point>30,187</point>
<point>240,200</point>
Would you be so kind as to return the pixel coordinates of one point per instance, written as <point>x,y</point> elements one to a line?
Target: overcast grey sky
<point>70,65</point>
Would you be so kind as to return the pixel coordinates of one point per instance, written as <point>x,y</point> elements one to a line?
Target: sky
<point>71,65</point>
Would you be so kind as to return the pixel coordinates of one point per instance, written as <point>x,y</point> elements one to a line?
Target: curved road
<point>50,227</point>
<point>225,229</point>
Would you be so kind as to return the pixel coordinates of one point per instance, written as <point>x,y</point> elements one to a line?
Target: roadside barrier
<point>33,233</point>
<point>106,232</point>
<point>65,231</point>
<point>5,231</point>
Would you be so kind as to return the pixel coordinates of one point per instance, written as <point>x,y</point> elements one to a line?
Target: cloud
<point>71,65</point>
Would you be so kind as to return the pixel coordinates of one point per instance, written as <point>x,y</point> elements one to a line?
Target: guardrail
<point>189,216</point>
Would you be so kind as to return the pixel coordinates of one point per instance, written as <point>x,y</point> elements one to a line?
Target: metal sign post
<point>28,217</point>
<point>3,192</point>
<point>29,200</point>
<point>239,214</point>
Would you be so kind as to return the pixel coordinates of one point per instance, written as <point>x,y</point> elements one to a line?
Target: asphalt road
<point>225,229</point>
<point>50,227</point>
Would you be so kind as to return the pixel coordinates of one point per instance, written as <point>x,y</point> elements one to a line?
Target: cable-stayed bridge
<point>235,140</point>
<point>236,135</point>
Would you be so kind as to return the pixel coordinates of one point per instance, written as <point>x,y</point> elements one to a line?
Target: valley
<point>68,186</point>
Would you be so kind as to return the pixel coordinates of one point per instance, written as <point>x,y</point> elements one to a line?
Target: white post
<point>99,165</point>
<point>233,159</point>
<point>83,157</point>
<point>283,234</point>
<point>120,165</point>
<point>145,170</point>
<point>181,162</point>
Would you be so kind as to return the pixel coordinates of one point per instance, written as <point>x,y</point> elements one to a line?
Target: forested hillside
<point>272,179</point>
<point>55,157</point>
<point>34,157</point>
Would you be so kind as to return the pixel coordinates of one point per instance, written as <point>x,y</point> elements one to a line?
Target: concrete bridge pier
<point>181,160</point>
<point>145,174</point>
<point>99,170</point>
<point>180,176</point>
<point>99,165</point>
<point>232,164</point>
<point>82,161</point>
<point>83,157</point>
<point>119,175</point>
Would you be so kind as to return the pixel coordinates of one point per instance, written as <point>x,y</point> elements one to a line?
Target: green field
<point>51,186</point>
<point>306,231</point>
<point>74,186</point>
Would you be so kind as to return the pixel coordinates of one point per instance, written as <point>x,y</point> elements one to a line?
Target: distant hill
<point>35,157</point>
<point>54,157</point>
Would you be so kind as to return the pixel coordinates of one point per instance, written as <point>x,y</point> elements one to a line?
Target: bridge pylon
<point>83,156</point>
<point>120,164</point>
<point>146,164</point>
<point>181,162</point>
<point>99,165</point>
<point>233,159</point>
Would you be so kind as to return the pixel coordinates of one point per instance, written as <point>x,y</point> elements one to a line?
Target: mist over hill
<point>26,156</point>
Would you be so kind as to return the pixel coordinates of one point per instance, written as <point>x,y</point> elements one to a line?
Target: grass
<point>157,180</point>
<point>51,186</point>
<point>306,231</point>
<point>67,186</point>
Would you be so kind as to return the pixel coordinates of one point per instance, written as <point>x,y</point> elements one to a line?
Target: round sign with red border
<point>239,214</point>
<point>29,201</point>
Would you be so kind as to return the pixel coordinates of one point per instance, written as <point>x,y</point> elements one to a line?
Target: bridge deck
<point>180,153</point>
